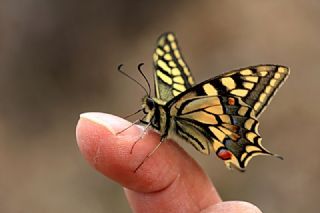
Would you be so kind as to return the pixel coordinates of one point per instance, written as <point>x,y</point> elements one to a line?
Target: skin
<point>169,181</point>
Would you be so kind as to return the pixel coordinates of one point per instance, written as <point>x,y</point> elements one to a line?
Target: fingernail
<point>111,122</point>
<point>99,118</point>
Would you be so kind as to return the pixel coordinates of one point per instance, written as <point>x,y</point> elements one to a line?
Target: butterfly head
<point>153,109</point>
<point>148,105</point>
<point>149,108</point>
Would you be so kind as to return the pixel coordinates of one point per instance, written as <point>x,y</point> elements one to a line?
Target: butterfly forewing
<point>172,75</point>
<point>255,85</point>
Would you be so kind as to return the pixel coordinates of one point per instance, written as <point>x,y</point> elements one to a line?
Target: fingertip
<point>110,153</point>
<point>232,207</point>
<point>96,134</point>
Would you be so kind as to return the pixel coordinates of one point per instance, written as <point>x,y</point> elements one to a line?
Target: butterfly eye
<point>150,103</point>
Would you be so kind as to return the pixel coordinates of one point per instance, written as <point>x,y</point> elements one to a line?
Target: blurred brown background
<point>59,58</point>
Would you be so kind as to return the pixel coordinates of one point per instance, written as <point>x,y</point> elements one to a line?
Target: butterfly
<point>218,115</point>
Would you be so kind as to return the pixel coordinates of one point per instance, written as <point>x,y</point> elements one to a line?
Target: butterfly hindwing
<point>216,123</point>
<point>172,75</point>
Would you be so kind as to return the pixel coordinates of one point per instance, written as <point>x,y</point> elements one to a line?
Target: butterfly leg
<point>141,136</point>
<point>162,139</point>
<point>148,156</point>
<point>131,125</point>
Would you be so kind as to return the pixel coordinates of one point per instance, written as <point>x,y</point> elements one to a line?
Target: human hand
<point>169,181</point>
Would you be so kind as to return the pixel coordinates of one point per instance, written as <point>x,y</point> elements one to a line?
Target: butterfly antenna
<point>145,78</point>
<point>128,76</point>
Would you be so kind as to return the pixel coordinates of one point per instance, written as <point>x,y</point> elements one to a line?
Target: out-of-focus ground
<point>59,58</point>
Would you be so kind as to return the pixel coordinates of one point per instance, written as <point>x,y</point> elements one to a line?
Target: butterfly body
<point>217,115</point>
<point>156,115</point>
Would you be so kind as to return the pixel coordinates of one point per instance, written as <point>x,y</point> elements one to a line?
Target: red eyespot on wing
<point>224,154</point>
<point>231,101</point>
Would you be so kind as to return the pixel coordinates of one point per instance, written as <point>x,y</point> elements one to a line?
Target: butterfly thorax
<point>156,115</point>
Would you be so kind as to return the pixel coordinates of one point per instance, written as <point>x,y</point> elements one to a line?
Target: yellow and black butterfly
<point>218,115</point>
